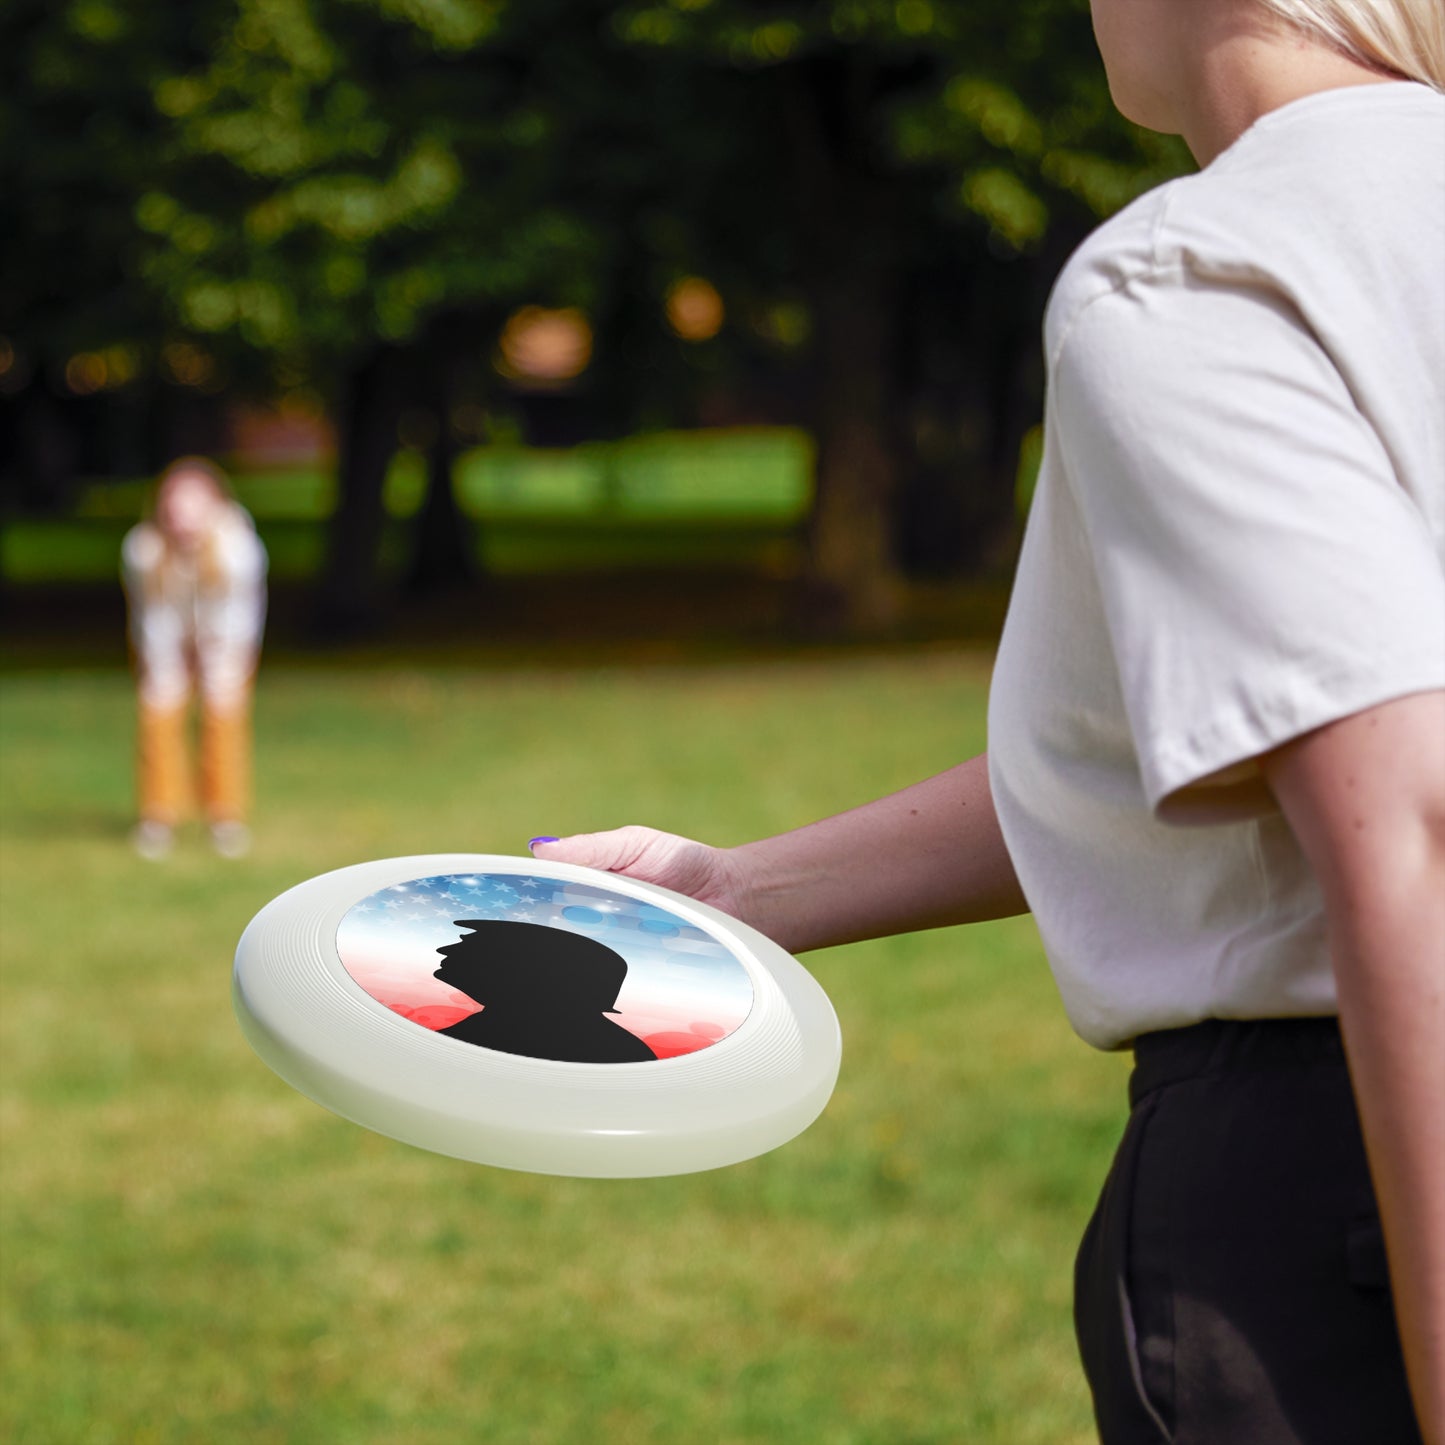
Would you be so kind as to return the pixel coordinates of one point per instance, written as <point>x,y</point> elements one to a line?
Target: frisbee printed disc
<point>536,1016</point>
<point>545,968</point>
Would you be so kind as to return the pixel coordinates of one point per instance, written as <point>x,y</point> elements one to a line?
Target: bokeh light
<point>544,347</point>
<point>186,364</point>
<point>695,310</point>
<point>88,372</point>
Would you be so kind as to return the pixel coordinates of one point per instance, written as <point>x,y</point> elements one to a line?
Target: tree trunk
<point>444,551</point>
<point>349,601</point>
<point>851,264</point>
<point>974,387</point>
<point>852,567</point>
<point>46,450</point>
<point>442,558</point>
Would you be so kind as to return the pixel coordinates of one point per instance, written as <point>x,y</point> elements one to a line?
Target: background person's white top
<point>187,630</point>
<point>1238,535</point>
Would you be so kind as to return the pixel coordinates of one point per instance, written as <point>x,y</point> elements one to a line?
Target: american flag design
<point>684,990</point>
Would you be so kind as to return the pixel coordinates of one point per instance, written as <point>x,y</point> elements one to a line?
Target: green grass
<point>193,1252</point>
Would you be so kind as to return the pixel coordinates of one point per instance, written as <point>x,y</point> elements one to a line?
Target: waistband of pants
<point>1226,1046</point>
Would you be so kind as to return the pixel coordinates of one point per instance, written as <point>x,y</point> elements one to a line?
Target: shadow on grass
<point>68,825</point>
<point>577,620</point>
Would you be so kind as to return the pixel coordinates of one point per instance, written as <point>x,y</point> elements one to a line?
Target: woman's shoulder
<point>235,518</point>
<point>1110,258</point>
<point>1336,193</point>
<point>142,549</point>
<point>237,544</point>
<point>1194,229</point>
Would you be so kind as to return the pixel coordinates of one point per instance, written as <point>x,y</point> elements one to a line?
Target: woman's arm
<point>926,857</point>
<point>1366,799</point>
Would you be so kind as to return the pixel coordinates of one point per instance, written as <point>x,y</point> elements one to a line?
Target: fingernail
<point>532,843</point>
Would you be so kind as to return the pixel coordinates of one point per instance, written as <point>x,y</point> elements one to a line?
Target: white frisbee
<point>536,1016</point>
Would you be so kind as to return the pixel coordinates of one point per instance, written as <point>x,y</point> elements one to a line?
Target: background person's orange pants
<point>169,788</point>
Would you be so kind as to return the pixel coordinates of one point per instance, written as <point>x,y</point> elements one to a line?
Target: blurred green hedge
<point>730,497</point>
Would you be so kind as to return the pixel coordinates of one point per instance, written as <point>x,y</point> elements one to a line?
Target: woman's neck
<point>1243,70</point>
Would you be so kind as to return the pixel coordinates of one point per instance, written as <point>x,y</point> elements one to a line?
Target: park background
<point>639,402</point>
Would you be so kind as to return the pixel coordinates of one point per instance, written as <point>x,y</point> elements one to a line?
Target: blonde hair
<point>203,466</point>
<point>1404,37</point>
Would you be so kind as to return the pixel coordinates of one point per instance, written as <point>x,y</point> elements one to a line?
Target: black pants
<point>1231,1288</point>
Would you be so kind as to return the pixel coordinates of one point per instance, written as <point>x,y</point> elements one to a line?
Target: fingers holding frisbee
<point>681,864</point>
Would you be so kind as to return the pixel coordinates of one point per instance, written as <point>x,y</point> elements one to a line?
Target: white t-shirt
<point>1238,536</point>
<point>187,627</point>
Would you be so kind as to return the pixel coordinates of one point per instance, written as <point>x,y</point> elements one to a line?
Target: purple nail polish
<point>532,843</point>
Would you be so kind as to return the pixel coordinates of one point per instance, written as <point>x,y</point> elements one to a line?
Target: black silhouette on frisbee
<point>545,993</point>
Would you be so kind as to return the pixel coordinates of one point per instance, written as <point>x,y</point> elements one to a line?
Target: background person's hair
<point>212,574</point>
<point>192,465</point>
<point>1405,37</point>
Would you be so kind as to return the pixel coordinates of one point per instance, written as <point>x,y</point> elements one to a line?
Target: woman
<point>195,582</point>
<point>1217,760</point>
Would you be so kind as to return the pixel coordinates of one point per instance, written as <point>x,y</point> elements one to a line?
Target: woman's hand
<point>711,875</point>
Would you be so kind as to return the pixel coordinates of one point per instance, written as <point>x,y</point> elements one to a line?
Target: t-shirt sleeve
<point>1263,570</point>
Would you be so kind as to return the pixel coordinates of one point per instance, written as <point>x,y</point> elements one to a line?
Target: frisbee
<point>536,1016</point>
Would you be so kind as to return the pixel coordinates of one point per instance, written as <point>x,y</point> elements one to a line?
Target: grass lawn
<point>192,1252</point>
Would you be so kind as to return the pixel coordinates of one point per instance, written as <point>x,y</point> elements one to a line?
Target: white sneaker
<point>231,839</point>
<point>152,840</point>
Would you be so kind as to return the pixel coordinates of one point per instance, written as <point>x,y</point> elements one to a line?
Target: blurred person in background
<point>1216,766</point>
<point>195,583</point>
